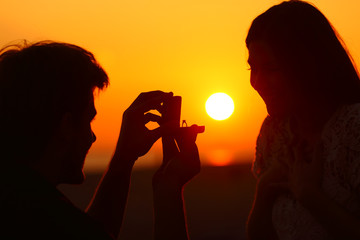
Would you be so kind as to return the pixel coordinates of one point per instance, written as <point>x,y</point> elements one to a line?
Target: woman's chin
<point>276,111</point>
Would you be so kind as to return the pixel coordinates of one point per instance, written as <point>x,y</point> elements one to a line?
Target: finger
<point>150,100</point>
<point>144,96</point>
<point>170,148</point>
<point>168,128</point>
<point>160,109</point>
<point>154,103</point>
<point>192,130</point>
<point>150,117</point>
<point>154,134</point>
<point>186,139</point>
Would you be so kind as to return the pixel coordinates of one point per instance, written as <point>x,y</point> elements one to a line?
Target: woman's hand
<point>306,170</point>
<point>270,185</point>
<point>135,138</point>
<point>274,181</point>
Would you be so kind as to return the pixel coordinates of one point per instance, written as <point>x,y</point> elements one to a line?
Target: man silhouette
<point>47,105</point>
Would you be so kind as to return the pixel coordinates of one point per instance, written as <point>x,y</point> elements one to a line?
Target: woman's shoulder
<point>269,124</point>
<point>350,110</point>
<point>350,121</point>
<point>272,138</point>
<point>274,128</point>
<point>344,126</point>
<point>346,117</point>
<point>266,131</point>
<point>342,146</point>
<point>266,124</point>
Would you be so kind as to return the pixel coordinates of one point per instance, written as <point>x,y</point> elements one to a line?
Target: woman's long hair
<point>309,50</point>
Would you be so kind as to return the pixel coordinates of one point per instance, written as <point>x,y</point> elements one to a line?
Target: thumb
<point>170,148</point>
<point>155,134</point>
<point>186,137</point>
<point>188,149</point>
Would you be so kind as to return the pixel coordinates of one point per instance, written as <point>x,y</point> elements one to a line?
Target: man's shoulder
<point>31,206</point>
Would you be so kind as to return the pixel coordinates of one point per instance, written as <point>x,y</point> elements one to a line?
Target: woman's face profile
<point>268,78</point>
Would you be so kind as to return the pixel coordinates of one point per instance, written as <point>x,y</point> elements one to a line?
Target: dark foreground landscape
<point>217,202</point>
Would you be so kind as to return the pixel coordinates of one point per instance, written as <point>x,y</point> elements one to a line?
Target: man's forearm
<point>109,201</point>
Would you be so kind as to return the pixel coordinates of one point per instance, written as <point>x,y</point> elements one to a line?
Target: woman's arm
<point>269,186</point>
<point>259,224</point>
<point>305,180</point>
<point>337,220</point>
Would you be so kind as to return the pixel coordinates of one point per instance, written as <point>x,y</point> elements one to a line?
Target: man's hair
<point>39,83</point>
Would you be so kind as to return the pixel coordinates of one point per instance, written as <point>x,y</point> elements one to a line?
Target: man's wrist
<point>122,162</point>
<point>125,153</point>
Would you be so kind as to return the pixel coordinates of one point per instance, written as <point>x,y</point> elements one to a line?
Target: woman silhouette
<point>307,161</point>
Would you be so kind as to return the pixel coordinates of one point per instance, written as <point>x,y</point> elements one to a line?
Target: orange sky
<point>191,47</point>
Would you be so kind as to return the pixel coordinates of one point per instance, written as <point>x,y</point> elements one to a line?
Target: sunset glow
<point>220,157</point>
<point>219,106</point>
<point>192,48</point>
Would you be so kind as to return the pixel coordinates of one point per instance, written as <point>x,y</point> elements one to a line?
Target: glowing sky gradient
<point>192,47</point>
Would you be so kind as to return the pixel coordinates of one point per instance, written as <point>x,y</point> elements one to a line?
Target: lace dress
<point>341,176</point>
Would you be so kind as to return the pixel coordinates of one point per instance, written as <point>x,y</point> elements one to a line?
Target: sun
<point>219,106</point>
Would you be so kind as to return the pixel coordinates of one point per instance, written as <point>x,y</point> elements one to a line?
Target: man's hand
<point>135,138</point>
<point>181,163</point>
<point>181,160</point>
